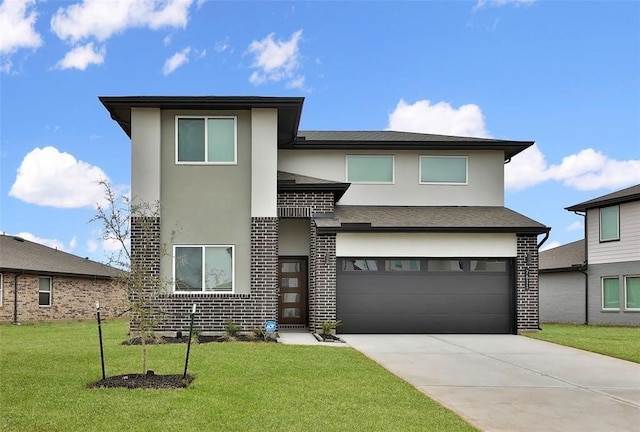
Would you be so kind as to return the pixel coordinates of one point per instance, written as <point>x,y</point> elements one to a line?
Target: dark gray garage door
<point>378,295</point>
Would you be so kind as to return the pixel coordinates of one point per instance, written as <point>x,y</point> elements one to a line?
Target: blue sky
<point>563,74</point>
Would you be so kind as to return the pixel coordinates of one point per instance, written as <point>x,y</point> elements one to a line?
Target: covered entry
<point>425,295</point>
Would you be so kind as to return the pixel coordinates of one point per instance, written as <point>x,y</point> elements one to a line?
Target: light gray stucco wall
<point>562,297</point>
<point>208,204</point>
<point>596,273</point>
<point>293,237</point>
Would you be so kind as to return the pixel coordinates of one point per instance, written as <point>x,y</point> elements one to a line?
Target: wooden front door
<point>292,281</point>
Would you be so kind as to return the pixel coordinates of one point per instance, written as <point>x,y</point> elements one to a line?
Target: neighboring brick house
<point>389,232</point>
<point>596,280</point>
<point>53,285</point>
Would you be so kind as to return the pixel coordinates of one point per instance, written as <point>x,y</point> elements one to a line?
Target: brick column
<point>264,268</point>
<point>325,280</point>
<point>145,258</point>
<point>527,293</point>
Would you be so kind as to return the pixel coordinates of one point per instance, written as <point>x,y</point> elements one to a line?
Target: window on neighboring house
<point>44,291</point>
<point>370,169</point>
<point>611,293</point>
<point>443,169</point>
<point>209,140</point>
<point>204,268</point>
<point>609,223</point>
<point>632,292</point>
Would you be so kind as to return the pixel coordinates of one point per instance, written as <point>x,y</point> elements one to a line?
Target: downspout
<point>583,269</point>
<point>545,238</point>
<point>15,298</point>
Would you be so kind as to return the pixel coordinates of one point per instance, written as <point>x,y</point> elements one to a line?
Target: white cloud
<point>576,226</point>
<point>82,56</point>
<point>276,60</point>
<point>440,118</point>
<point>586,170</point>
<point>222,46</point>
<point>550,245</point>
<point>175,61</point>
<point>53,243</point>
<point>17,21</point>
<point>48,177</point>
<point>101,19</point>
<point>499,3</point>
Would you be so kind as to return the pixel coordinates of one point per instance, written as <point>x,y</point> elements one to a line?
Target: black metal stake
<point>100,336</point>
<point>186,362</point>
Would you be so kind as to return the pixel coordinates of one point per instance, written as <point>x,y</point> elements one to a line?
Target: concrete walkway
<point>513,383</point>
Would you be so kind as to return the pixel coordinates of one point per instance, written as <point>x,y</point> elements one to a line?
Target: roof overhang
<point>366,227</point>
<point>289,108</point>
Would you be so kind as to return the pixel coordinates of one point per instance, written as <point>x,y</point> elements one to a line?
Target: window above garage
<point>443,170</point>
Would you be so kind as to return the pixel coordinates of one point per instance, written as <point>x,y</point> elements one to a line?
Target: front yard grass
<point>619,342</point>
<point>45,368</point>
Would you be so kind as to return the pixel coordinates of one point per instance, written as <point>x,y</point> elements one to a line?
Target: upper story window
<point>203,268</point>
<point>443,169</point>
<point>44,291</point>
<point>206,140</point>
<point>610,223</point>
<point>376,169</point>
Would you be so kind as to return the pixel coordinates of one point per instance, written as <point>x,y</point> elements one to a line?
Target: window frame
<point>203,290</point>
<point>602,305</point>
<point>393,168</point>
<point>205,118</point>
<point>1,289</point>
<point>626,305</point>
<point>617,237</point>
<point>50,291</point>
<point>466,170</point>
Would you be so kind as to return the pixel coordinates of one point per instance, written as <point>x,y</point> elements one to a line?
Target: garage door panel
<point>421,323</point>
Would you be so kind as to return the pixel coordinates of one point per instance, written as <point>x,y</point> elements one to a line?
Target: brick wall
<point>325,280</point>
<point>527,283</point>
<point>72,298</point>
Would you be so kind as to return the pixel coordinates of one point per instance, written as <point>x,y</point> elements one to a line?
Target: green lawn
<point>44,370</point>
<point>620,342</point>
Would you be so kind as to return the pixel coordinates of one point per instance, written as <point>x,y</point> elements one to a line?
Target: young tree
<point>119,215</point>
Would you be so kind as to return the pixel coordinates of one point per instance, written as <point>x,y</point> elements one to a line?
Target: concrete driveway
<point>513,383</point>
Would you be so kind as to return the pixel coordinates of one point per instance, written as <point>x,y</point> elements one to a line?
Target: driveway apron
<point>513,383</point>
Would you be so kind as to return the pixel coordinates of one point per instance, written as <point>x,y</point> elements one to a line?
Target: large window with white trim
<point>609,223</point>
<point>611,293</point>
<point>206,140</point>
<point>376,169</point>
<point>207,268</point>
<point>632,292</point>
<point>443,170</point>
<point>44,291</point>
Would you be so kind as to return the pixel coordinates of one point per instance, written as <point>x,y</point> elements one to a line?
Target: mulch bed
<point>142,381</point>
<point>200,340</point>
<point>324,337</point>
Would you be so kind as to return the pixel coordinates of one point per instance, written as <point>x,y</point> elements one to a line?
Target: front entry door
<point>292,305</point>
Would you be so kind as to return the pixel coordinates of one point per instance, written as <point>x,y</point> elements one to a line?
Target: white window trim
<point>50,291</point>
<point>600,224</point>
<point>1,289</point>
<point>466,167</point>
<point>233,269</point>
<point>625,292</point>
<point>602,293</point>
<point>205,162</point>
<point>393,168</point>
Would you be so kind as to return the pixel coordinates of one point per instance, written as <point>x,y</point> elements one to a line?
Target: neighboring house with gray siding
<point>389,232</point>
<point>40,284</point>
<point>605,277</point>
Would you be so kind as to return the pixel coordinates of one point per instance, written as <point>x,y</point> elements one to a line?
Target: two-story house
<point>597,280</point>
<point>389,232</point>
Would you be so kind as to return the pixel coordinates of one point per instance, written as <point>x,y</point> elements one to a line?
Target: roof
<point>393,140</point>
<point>625,195</point>
<point>563,258</point>
<point>20,255</point>
<point>289,108</point>
<point>427,219</point>
<point>289,182</point>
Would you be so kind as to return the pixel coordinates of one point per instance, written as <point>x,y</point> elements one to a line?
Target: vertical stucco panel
<point>562,297</point>
<point>293,237</point>
<point>264,162</point>
<point>627,248</point>
<point>485,178</point>
<point>208,204</point>
<point>145,154</point>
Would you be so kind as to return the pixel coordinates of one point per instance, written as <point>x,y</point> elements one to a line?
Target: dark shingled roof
<point>427,219</point>
<point>625,195</point>
<point>289,182</point>
<point>562,258</point>
<point>18,254</point>
<point>393,140</point>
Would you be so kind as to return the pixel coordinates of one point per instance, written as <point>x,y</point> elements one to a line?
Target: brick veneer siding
<point>325,280</point>
<point>72,298</point>
<point>527,292</point>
